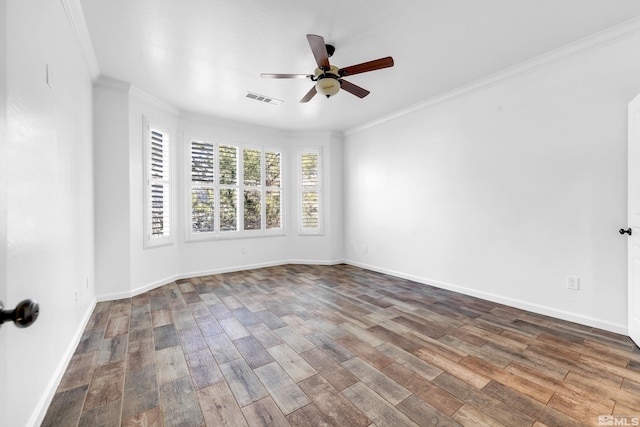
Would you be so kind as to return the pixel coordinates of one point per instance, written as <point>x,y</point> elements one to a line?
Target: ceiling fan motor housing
<point>330,49</point>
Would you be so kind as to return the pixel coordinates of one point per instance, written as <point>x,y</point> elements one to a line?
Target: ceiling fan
<point>329,78</point>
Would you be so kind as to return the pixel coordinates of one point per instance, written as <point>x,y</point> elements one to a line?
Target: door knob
<point>622,231</point>
<point>23,316</point>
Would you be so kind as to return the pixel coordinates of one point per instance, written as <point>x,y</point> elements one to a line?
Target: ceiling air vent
<point>264,98</point>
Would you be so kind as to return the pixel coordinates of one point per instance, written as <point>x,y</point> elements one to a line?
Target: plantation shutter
<point>202,187</point>
<point>235,191</point>
<point>310,191</point>
<point>202,162</point>
<point>159,185</point>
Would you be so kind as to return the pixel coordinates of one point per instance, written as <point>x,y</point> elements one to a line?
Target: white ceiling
<point>205,55</point>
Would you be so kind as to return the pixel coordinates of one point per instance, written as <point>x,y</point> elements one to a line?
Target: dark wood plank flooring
<point>338,345</point>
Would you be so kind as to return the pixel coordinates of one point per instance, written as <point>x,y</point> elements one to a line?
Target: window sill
<point>232,235</point>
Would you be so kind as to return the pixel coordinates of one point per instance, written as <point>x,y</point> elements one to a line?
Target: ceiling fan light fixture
<point>328,85</point>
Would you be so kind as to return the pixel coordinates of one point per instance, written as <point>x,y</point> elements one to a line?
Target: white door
<point>4,341</point>
<point>634,219</point>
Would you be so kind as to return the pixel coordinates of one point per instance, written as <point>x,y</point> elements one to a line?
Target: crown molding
<point>74,13</point>
<point>154,101</point>
<point>595,41</point>
<point>111,83</point>
<point>230,124</point>
<point>133,91</point>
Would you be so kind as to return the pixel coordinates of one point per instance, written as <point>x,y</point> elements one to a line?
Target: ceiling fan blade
<point>309,94</point>
<point>367,66</point>
<point>285,76</point>
<point>354,89</point>
<point>319,51</point>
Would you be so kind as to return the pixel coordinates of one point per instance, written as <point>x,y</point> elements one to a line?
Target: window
<point>158,203</point>
<point>310,192</point>
<point>235,191</point>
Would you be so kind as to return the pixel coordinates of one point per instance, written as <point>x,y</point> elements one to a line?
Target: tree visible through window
<point>228,182</point>
<point>252,193</point>
<point>273,189</point>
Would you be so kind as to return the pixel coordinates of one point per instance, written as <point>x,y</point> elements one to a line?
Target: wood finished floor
<point>337,345</point>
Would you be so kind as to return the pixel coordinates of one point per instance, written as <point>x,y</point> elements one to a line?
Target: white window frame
<point>151,241</point>
<point>302,230</point>
<point>217,234</point>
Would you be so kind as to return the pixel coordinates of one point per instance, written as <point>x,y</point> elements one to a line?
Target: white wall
<point>123,266</point>
<point>112,204</point>
<point>504,191</point>
<point>49,195</point>
<point>327,247</point>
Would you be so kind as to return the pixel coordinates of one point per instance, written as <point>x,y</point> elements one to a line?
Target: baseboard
<point>40,411</point>
<point>500,299</point>
<point>315,262</point>
<point>165,281</point>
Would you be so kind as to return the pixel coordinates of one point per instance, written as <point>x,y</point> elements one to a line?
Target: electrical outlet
<point>573,283</point>
<point>77,296</point>
<point>243,251</point>
<point>87,284</point>
<point>366,249</point>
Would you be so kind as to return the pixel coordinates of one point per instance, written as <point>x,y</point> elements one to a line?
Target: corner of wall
<point>78,25</point>
<point>111,180</point>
